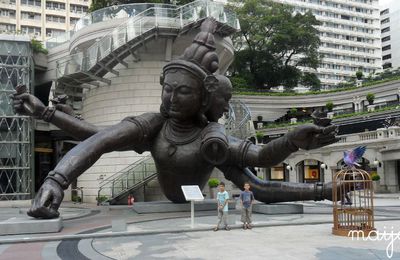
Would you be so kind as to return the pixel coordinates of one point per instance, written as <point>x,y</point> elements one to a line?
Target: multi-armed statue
<point>184,137</point>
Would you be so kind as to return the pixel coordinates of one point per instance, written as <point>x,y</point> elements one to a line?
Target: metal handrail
<point>129,177</point>
<point>126,31</point>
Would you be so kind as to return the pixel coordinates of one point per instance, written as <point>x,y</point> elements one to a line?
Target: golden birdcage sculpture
<point>353,208</point>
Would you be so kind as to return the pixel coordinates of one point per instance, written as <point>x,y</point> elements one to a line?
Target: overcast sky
<point>385,2</point>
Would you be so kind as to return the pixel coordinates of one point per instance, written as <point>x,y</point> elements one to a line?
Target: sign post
<point>192,193</point>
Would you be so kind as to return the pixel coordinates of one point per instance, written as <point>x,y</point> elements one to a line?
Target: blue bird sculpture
<point>350,157</point>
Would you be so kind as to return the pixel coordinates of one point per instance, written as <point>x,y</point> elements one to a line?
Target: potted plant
<point>259,136</point>
<point>213,183</point>
<point>370,98</point>
<point>292,114</point>
<point>329,106</point>
<point>375,180</point>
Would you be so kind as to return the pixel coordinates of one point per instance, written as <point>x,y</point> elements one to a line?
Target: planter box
<point>40,60</point>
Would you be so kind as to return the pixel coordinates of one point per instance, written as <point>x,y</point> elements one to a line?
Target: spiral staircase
<point>86,69</point>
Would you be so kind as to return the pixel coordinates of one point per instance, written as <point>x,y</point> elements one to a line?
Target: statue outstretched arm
<point>134,133</point>
<point>28,104</point>
<point>244,154</point>
<point>304,137</point>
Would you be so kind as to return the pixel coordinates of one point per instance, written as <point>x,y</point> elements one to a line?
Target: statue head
<point>219,100</point>
<point>189,81</point>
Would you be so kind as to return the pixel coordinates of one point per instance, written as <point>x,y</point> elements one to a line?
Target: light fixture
<point>289,168</point>
<point>324,166</point>
<point>377,163</point>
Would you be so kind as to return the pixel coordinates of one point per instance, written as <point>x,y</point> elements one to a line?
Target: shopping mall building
<point>110,69</point>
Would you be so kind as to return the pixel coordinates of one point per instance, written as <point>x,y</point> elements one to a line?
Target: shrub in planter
<point>76,198</point>
<point>370,98</point>
<point>293,112</point>
<point>213,182</point>
<point>375,176</point>
<point>259,136</point>
<point>329,106</point>
<point>101,199</point>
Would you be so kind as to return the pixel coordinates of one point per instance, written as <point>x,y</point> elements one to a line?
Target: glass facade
<point>16,142</point>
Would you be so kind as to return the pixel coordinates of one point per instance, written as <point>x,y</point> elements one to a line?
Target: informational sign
<point>192,192</point>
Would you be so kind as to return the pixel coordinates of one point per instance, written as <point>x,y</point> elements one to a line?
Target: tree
<point>273,42</point>
<point>359,75</point>
<point>311,80</point>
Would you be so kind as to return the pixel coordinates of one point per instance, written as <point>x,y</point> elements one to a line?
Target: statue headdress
<point>200,57</point>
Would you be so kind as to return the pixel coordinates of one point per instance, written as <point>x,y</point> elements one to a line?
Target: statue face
<point>181,95</point>
<point>219,103</point>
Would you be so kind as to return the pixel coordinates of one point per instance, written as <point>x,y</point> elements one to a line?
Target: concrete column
<point>390,179</point>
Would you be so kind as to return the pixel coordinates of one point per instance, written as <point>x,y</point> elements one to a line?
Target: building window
<point>387,65</point>
<point>387,29</point>
<point>387,47</point>
<point>55,6</point>
<point>73,20</point>
<point>37,31</point>
<point>386,11</point>
<point>53,32</point>
<point>31,2</point>
<point>345,17</point>
<point>30,16</point>
<point>7,13</point>
<point>80,9</point>
<point>386,57</point>
<point>7,27</point>
<point>55,19</point>
<point>386,20</point>
<point>385,39</point>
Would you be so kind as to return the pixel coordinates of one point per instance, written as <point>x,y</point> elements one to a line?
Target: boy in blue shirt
<point>222,199</point>
<point>246,200</point>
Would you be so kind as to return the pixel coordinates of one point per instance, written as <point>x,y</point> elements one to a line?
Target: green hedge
<point>279,125</point>
<point>248,92</point>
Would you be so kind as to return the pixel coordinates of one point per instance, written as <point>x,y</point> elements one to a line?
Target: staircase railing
<point>123,181</point>
<point>239,123</point>
<point>154,17</point>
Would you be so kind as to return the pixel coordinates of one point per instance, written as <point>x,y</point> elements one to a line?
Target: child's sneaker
<point>244,226</point>
<point>249,226</point>
<point>227,228</point>
<point>216,229</point>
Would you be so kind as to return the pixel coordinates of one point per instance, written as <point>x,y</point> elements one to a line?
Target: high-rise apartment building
<point>390,35</point>
<point>41,19</point>
<point>350,37</point>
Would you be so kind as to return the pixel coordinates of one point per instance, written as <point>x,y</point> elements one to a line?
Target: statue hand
<point>47,200</point>
<point>27,104</point>
<point>311,136</point>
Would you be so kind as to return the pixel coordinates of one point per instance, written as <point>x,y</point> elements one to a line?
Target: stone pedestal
<point>278,208</point>
<point>371,108</point>
<point>167,206</point>
<point>27,225</point>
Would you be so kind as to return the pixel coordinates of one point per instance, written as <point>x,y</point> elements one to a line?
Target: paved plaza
<point>87,234</point>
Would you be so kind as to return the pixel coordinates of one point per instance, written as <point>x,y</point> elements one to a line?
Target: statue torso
<point>178,161</point>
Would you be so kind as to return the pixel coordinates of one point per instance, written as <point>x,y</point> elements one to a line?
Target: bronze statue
<point>184,138</point>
